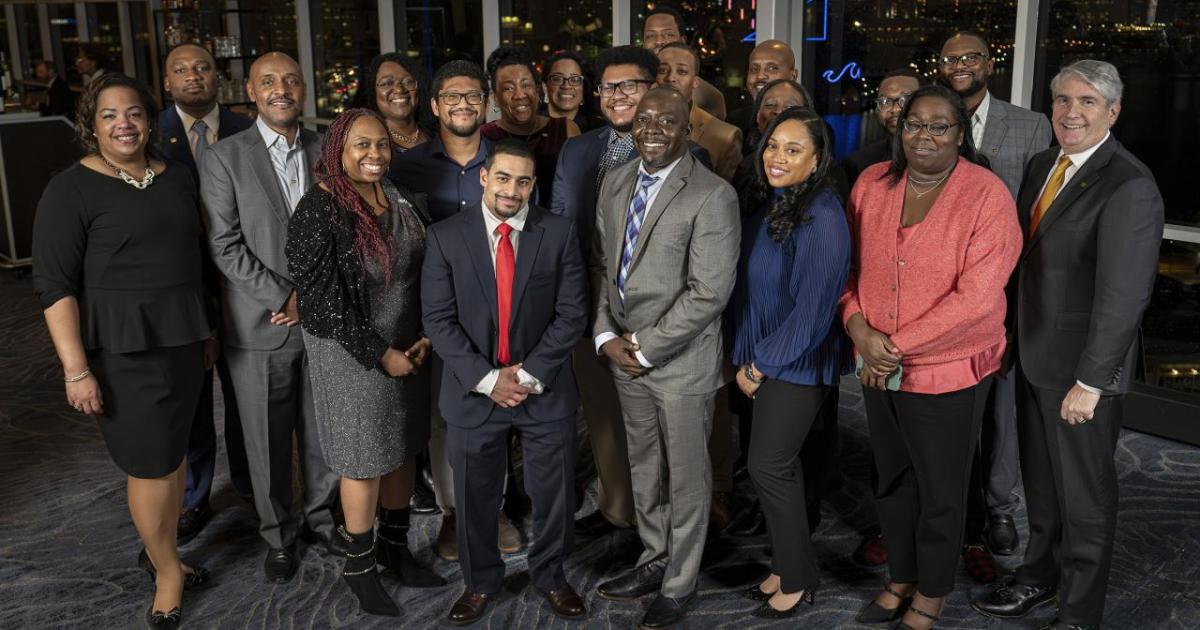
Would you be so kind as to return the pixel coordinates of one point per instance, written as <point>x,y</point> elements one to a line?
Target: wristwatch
<point>748,371</point>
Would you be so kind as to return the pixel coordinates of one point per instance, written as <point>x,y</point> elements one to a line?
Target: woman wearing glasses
<point>935,240</point>
<point>568,89</point>
<point>393,87</point>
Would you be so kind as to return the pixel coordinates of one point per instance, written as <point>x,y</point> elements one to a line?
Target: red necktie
<point>505,262</point>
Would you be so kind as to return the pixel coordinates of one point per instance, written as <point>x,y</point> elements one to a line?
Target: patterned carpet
<point>68,549</point>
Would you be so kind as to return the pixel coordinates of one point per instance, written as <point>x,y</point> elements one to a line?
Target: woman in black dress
<point>117,250</point>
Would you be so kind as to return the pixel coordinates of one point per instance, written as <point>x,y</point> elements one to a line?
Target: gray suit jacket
<point>681,276</point>
<point>1011,137</point>
<point>247,217</point>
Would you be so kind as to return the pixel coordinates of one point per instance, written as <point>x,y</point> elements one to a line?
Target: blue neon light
<point>850,68</point>
<point>824,23</point>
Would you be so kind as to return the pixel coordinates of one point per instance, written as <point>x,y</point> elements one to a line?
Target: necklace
<point>128,179</point>
<point>912,183</point>
<point>402,139</point>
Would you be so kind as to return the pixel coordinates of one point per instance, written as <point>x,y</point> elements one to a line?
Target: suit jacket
<point>175,142</point>
<point>459,312</point>
<point>60,100</point>
<point>681,275</point>
<point>1086,276</point>
<point>1011,137</point>
<point>710,99</point>
<point>247,219</point>
<point>722,140</point>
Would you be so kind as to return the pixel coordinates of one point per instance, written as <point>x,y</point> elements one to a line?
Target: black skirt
<point>150,399</point>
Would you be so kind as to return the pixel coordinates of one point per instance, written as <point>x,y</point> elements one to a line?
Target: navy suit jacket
<point>549,312</point>
<point>175,142</point>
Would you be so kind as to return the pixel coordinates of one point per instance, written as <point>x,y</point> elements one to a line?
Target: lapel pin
<point>174,140</point>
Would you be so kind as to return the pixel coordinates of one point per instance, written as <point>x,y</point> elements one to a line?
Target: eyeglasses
<point>628,87</point>
<point>913,127</point>
<point>557,80</point>
<point>454,98</point>
<point>407,83</point>
<point>884,102</point>
<point>969,60</point>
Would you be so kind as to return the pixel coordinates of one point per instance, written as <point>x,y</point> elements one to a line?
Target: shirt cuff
<point>487,383</point>
<point>641,357</point>
<point>1089,388</point>
<point>603,338</point>
<point>530,381</point>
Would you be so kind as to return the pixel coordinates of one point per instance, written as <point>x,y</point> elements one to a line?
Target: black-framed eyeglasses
<point>557,80</point>
<point>885,102</point>
<point>407,83</point>
<point>454,98</point>
<point>969,60</point>
<point>628,87</point>
<point>913,127</point>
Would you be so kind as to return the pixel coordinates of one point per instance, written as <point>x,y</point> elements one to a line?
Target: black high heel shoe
<point>198,577</point>
<point>166,620</point>
<point>766,611</point>
<point>931,617</point>
<point>874,613</point>
<point>756,594</point>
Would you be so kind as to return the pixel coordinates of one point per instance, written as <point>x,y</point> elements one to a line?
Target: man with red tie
<point>502,294</point>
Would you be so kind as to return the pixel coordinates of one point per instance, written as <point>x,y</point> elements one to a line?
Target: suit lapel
<point>1087,177</point>
<point>994,129</point>
<point>530,244</point>
<point>675,183</point>
<point>475,237</point>
<point>264,172</point>
<point>175,139</point>
<point>616,220</point>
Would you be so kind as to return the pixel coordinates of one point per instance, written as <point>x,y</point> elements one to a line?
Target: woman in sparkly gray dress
<point>355,247</point>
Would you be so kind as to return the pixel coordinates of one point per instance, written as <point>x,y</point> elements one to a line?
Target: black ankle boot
<point>362,577</point>
<point>392,551</point>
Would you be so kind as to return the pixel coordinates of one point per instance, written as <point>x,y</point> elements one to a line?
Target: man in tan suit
<point>678,65</point>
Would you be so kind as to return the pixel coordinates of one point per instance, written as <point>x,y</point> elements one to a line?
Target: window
<point>1171,339</point>
<point>28,36</point>
<point>547,26</point>
<point>345,38</point>
<point>103,28</point>
<point>437,31</point>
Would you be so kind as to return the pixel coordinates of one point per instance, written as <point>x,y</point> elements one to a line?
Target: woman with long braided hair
<point>355,247</point>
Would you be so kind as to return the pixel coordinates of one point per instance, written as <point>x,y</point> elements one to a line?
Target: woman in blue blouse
<point>788,343</point>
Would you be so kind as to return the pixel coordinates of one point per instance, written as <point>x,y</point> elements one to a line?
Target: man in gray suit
<point>667,236</point>
<point>1009,136</point>
<point>251,183</point>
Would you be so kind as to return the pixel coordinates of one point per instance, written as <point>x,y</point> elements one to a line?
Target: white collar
<point>984,106</point>
<point>663,172</point>
<point>517,221</point>
<point>1078,159</point>
<point>212,119</point>
<point>270,136</point>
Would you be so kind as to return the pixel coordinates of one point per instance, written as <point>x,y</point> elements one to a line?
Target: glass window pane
<point>139,25</point>
<point>104,28</point>
<point>1153,45</point>
<point>1171,336</point>
<point>437,31</point>
<point>547,26</point>
<point>345,39</point>
<point>30,38</point>
<point>64,40</point>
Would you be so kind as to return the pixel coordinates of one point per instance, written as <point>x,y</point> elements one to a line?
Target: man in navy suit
<point>188,128</point>
<point>502,294</point>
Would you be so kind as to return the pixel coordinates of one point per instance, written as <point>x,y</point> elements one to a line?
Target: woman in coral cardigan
<point>935,240</point>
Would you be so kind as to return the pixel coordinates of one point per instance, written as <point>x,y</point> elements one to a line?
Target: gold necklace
<point>919,193</point>
<point>402,139</point>
<point>141,184</point>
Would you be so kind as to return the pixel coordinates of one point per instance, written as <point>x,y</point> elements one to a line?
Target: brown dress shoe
<point>469,608</point>
<point>720,513</point>
<point>446,546</point>
<point>509,539</point>
<point>565,602</point>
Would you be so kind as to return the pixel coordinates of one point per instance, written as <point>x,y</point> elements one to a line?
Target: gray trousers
<point>667,440</point>
<point>275,403</point>
<point>1000,447</point>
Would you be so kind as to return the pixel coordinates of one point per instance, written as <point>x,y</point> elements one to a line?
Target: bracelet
<point>748,371</point>
<point>78,377</point>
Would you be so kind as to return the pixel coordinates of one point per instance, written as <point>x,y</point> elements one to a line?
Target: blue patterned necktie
<point>633,226</point>
<point>619,151</point>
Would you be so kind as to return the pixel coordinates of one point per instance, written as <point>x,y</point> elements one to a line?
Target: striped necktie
<point>633,226</point>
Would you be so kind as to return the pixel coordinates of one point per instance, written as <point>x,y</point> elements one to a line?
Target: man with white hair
<point>1093,220</point>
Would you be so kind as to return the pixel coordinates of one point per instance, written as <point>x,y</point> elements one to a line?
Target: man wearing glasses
<point>1009,136</point>
<point>894,91</point>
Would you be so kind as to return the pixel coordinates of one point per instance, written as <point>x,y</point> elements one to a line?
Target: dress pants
<point>720,443</point>
<point>1071,497</point>
<point>784,413</point>
<point>606,432</point>
<point>275,402</point>
<point>479,458</point>
<point>202,443</point>
<point>924,445</point>
<point>439,461</point>
<point>994,474</point>
<point>667,437</point>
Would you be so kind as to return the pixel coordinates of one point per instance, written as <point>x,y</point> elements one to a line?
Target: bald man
<point>770,60</point>
<point>665,25</point>
<point>251,183</point>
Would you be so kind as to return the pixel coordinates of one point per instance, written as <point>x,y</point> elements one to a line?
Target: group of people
<point>418,277</point>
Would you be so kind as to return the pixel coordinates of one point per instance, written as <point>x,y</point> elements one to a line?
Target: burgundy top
<point>545,144</point>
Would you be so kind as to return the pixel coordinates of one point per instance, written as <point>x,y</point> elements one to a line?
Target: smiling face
<point>777,99</point>
<point>894,88</point>
<point>277,90</point>
<point>122,128</point>
<point>790,156</point>
<point>677,69</point>
<point>367,152</point>
<point>565,97</point>
<point>926,153</point>
<point>191,79</point>
<point>1080,115</point>
<point>462,118</point>
<point>661,128</point>
<point>395,92</point>
<point>507,185</point>
<point>958,76</point>
<point>516,94</point>
<point>619,107</point>
<point>660,29</point>
<point>768,62</point>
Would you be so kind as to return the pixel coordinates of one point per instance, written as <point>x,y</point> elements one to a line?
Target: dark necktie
<point>201,130</point>
<point>505,264</point>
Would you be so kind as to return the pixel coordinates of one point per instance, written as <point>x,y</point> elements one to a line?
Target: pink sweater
<point>940,295</point>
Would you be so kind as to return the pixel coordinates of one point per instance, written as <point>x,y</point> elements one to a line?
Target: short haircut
<point>905,72</point>
<point>645,60</point>
<point>459,68</point>
<point>365,96</point>
<point>45,63</point>
<point>85,111</point>
<point>683,46</point>
<point>987,46</point>
<point>505,56</point>
<point>1101,75</point>
<point>509,146</point>
<point>565,54</point>
<point>186,45</point>
<point>666,9</point>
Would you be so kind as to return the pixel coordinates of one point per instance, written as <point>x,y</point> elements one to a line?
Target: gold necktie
<point>1052,187</point>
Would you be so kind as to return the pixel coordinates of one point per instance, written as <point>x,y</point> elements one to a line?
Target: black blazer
<point>549,312</point>
<point>175,143</point>
<point>1086,276</point>
<point>60,100</point>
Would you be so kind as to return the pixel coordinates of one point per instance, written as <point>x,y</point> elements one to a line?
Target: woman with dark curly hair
<point>568,85</point>
<point>117,253</point>
<point>394,87</point>
<point>788,345</point>
<point>355,247</point>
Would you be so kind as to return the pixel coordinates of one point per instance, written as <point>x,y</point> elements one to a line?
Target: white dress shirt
<point>979,119</point>
<point>517,222</point>
<point>212,120</point>
<point>651,195</point>
<point>289,161</point>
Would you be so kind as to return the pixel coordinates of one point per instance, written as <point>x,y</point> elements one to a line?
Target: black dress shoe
<point>1011,600</point>
<point>323,543</point>
<point>1058,625</point>
<point>280,564</point>
<point>1002,537</point>
<point>665,612</point>
<point>469,608</point>
<point>565,602</point>
<point>593,525</point>
<point>874,613</point>
<point>198,576</point>
<point>423,500</point>
<point>756,594</point>
<point>766,611</point>
<point>643,580</point>
<point>191,521</point>
<point>166,620</point>
<point>748,522</point>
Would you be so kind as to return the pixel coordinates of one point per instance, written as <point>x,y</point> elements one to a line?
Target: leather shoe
<point>748,522</point>
<point>167,620</point>
<point>446,546</point>
<point>191,521</point>
<point>565,602</point>
<point>1058,625</point>
<point>872,551</point>
<point>1011,600</point>
<point>980,563</point>
<point>665,612</point>
<point>469,608</point>
<point>325,543</point>
<point>1001,535</point>
<point>719,512</point>
<point>593,525</point>
<point>508,538</point>
<point>423,500</point>
<point>280,564</point>
<point>645,579</point>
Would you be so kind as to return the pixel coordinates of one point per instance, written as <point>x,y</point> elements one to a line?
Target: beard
<point>463,130</point>
<point>973,88</point>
